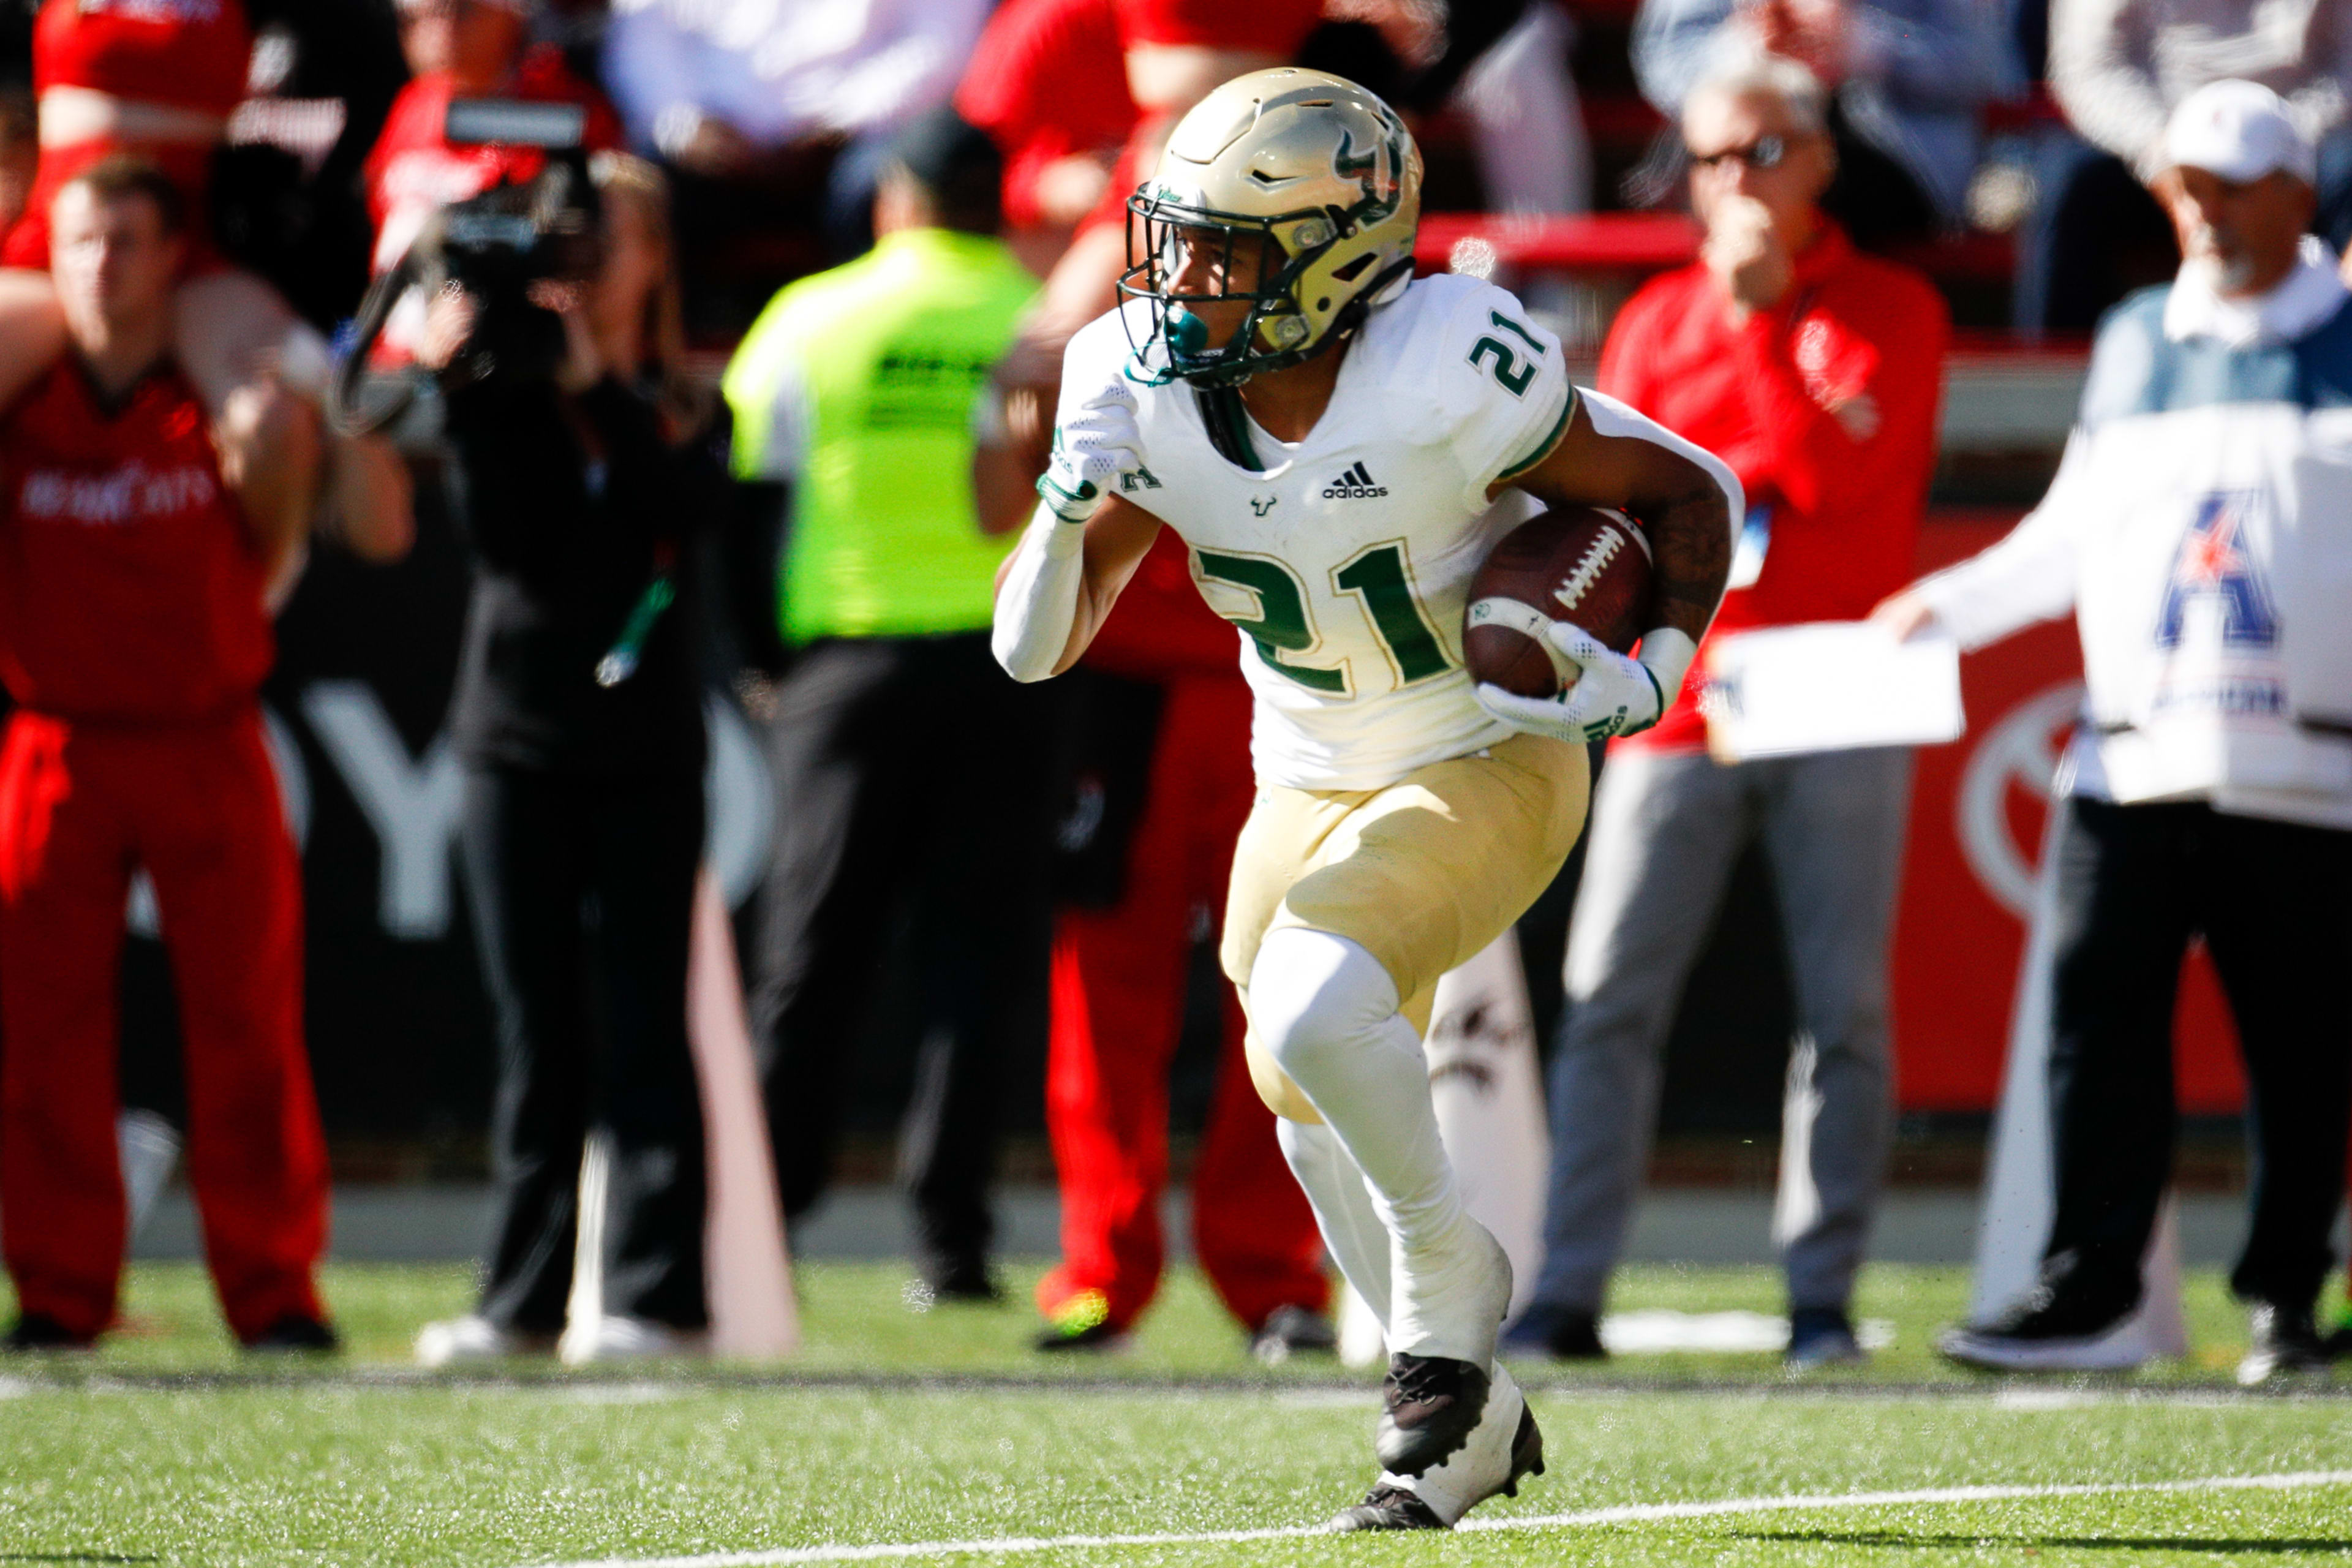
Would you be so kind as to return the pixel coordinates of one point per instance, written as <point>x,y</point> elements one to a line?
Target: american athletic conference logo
<point>1356,484</point>
<point>2211,562</point>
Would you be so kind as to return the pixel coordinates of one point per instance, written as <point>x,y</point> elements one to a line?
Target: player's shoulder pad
<point>1470,346</point>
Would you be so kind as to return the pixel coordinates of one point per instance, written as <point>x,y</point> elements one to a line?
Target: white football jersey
<point>1346,559</point>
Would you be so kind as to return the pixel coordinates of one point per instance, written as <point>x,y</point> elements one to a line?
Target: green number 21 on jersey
<point>1377,575</point>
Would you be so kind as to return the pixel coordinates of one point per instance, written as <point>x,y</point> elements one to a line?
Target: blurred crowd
<point>886,217</point>
<point>2033,121</point>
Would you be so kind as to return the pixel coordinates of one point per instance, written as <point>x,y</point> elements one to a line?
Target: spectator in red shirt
<point>132,638</point>
<point>158,79</point>
<point>461,49</point>
<point>1815,371</point>
<point>1048,83</point>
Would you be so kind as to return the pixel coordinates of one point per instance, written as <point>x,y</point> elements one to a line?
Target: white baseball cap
<point>2240,131</point>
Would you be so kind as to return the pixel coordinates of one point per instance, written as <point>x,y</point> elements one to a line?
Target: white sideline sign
<point>1829,685</point>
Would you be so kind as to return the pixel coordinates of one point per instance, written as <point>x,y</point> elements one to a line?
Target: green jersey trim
<point>1543,447</point>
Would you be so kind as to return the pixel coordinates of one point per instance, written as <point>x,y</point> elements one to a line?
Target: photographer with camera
<point>585,467</point>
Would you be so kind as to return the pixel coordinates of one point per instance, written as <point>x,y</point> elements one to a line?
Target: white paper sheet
<point>1829,685</point>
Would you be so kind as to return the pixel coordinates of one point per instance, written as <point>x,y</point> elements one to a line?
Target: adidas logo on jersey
<point>1356,484</point>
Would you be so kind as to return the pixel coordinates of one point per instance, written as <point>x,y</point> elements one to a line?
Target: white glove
<point>1614,695</point>
<point>1093,446</point>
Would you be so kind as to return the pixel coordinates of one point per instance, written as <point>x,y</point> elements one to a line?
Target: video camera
<point>494,246</point>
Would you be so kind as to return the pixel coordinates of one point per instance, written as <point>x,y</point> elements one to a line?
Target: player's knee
<point>1274,1087</point>
<point>1315,998</point>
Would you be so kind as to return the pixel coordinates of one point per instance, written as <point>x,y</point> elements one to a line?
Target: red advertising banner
<point>1977,811</point>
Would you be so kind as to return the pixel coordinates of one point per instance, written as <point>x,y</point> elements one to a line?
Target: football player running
<point>1329,436</point>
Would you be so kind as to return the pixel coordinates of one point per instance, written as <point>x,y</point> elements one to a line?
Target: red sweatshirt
<point>129,591</point>
<point>1047,80</point>
<point>1825,407</point>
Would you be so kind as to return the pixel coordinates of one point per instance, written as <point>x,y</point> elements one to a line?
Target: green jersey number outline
<point>1379,574</point>
<point>1507,370</point>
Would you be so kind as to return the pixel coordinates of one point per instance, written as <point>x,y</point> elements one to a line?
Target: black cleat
<point>1527,1452</point>
<point>1388,1508</point>
<point>36,1333</point>
<point>1394,1508</point>
<point>296,1333</point>
<point>1432,1404</point>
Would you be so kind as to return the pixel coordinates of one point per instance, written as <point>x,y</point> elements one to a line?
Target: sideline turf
<point>520,1475</point>
<point>871,1317</point>
<point>144,1455</point>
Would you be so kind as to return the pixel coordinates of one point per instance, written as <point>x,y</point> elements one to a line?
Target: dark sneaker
<point>1388,1508</point>
<point>1562,1334</point>
<point>2050,1331</point>
<point>2287,1344</point>
<point>1098,1337</point>
<point>296,1333</point>
<point>964,1279</point>
<point>1822,1336</point>
<point>36,1333</point>
<point>1293,1330</point>
<point>1431,1404</point>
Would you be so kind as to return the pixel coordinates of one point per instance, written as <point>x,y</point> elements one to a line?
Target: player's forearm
<point>1039,627</point>
<point>1690,538</point>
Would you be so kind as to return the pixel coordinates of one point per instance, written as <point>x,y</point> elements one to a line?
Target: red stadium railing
<point>1646,242</point>
<point>1598,242</point>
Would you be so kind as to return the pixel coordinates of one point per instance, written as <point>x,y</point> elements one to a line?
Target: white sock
<point>1329,1015</point>
<point>1351,1228</point>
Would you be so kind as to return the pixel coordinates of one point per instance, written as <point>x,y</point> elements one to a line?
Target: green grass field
<point>900,1428</point>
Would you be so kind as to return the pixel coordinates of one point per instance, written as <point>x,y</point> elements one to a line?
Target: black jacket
<point>573,506</point>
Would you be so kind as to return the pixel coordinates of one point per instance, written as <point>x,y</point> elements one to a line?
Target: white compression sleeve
<point>1038,604</point>
<point>1329,1014</point>
<point>1352,1232</point>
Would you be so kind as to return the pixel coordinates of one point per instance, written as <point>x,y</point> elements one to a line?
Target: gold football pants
<point>1422,873</point>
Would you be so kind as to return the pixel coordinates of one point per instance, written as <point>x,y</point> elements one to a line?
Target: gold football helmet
<point>1315,174</point>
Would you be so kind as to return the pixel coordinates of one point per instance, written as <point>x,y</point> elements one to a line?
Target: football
<point>1579,564</point>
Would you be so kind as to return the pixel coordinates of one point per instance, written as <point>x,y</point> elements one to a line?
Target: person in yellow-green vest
<point>908,787</point>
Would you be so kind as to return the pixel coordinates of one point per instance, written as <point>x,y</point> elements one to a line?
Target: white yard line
<point>1629,1513</point>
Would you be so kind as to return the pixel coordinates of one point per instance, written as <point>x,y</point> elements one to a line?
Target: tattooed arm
<point>1684,497</point>
<point>1688,503</point>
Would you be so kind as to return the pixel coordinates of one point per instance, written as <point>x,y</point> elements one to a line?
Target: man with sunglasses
<point>1329,436</point>
<point>1814,371</point>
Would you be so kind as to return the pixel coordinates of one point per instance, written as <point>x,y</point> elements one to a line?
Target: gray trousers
<point>1665,832</point>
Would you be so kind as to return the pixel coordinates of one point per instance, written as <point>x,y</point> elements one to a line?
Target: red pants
<point>197,806</point>
<point>1117,1008</point>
